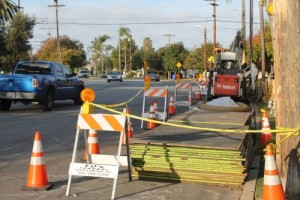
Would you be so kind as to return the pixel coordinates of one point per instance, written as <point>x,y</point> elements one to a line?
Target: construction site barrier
<point>201,85</point>
<point>155,93</point>
<point>104,166</point>
<point>185,87</point>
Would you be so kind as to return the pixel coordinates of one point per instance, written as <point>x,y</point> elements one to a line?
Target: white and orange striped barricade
<point>202,85</point>
<point>155,93</point>
<point>186,88</point>
<point>104,166</point>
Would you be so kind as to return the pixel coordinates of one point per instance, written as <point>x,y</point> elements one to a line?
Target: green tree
<point>72,51</point>
<point>257,49</point>
<point>137,60</point>
<point>19,33</point>
<point>118,54</point>
<point>172,55</point>
<point>108,62</point>
<point>194,59</point>
<point>8,9</point>
<point>124,34</point>
<point>152,57</point>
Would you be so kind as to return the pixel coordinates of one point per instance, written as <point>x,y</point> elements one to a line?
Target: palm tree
<point>147,44</point>
<point>8,9</point>
<point>123,31</point>
<point>98,49</point>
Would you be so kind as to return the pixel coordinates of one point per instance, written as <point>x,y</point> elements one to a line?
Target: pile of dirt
<point>223,104</point>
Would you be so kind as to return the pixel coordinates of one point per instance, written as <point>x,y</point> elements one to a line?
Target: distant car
<point>154,76</point>
<point>83,74</point>
<point>103,76</point>
<point>114,76</point>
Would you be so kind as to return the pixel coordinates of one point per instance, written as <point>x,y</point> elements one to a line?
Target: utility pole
<point>57,30</point>
<point>286,46</point>
<point>130,57</point>
<point>251,31</point>
<point>215,25</point>
<point>262,37</point>
<point>125,68</point>
<point>169,37</point>
<point>102,58</point>
<point>120,68</point>
<point>244,31</point>
<point>204,53</point>
<point>19,5</point>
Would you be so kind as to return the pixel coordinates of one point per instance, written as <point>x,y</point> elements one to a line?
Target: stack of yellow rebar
<point>192,164</point>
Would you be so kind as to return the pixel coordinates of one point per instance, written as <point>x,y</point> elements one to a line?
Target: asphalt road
<point>17,128</point>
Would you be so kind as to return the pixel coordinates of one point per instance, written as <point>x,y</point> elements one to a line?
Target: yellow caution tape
<point>292,132</point>
<point>120,104</point>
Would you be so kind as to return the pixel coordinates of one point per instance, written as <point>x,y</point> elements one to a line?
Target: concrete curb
<point>249,188</point>
<point>250,185</point>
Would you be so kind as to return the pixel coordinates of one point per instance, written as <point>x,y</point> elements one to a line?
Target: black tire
<point>48,102</point>
<point>77,99</point>
<point>5,104</point>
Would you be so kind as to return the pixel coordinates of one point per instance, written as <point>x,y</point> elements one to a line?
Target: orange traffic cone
<point>198,94</point>
<point>171,107</point>
<point>37,175</point>
<point>272,189</point>
<point>92,144</point>
<point>151,125</point>
<point>190,98</point>
<point>266,134</point>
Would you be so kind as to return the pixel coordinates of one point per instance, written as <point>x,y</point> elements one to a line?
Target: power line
<point>141,23</point>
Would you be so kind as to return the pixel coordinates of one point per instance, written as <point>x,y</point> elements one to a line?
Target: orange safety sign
<point>101,122</point>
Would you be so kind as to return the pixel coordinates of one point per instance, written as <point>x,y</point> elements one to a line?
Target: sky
<point>185,20</point>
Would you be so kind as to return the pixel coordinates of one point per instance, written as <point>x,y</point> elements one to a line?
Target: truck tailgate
<point>16,83</point>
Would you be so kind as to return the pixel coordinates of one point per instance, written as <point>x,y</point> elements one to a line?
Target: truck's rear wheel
<point>5,104</point>
<point>48,102</point>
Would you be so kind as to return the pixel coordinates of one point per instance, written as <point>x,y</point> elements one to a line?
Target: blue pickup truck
<point>39,81</point>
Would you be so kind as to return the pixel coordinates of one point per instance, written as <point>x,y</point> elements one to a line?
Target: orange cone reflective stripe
<point>266,134</point>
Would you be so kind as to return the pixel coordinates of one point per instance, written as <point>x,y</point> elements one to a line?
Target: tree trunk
<point>286,45</point>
